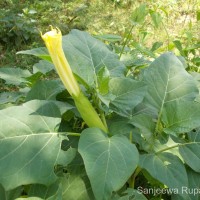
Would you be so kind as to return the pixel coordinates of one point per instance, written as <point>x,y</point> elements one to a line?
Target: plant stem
<point>175,146</point>
<point>70,133</point>
<point>125,42</point>
<point>102,116</point>
<point>74,134</point>
<point>97,103</point>
<point>88,112</point>
<point>167,148</point>
<point>132,178</point>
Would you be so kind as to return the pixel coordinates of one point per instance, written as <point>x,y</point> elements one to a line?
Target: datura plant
<point>105,129</point>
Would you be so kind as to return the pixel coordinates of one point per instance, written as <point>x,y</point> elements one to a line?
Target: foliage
<point>17,28</point>
<point>101,17</point>
<point>152,113</point>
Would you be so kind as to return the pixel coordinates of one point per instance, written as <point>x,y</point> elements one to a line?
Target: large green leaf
<point>14,76</point>
<point>165,167</point>
<point>192,192</point>
<point>168,81</point>
<point>29,144</point>
<point>126,94</point>
<point>190,152</point>
<point>109,162</point>
<point>45,90</point>
<point>181,116</point>
<point>88,55</point>
<point>194,184</point>
<point>76,185</point>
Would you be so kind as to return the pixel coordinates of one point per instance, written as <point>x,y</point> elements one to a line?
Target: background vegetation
<point>161,21</point>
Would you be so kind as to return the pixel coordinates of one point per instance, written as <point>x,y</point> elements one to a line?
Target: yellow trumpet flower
<point>53,42</point>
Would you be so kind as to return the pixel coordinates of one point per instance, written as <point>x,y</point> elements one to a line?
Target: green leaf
<point>165,167</point>
<point>109,162</point>
<point>30,145</point>
<point>43,66</point>
<point>87,55</point>
<point>139,14</point>
<point>191,155</point>
<point>45,90</point>
<point>192,191</point>
<point>144,123</point>
<point>120,125</point>
<point>39,52</point>
<point>178,45</point>
<point>156,46</point>
<point>66,157</point>
<point>103,78</point>
<point>194,184</point>
<point>76,186</point>
<point>156,18</point>
<point>167,81</point>
<point>181,116</point>
<point>183,61</point>
<point>190,152</point>
<point>127,93</point>
<point>14,76</point>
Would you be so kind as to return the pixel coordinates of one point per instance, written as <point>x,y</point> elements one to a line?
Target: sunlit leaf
<point>30,145</point>
<point>167,168</point>
<point>14,76</point>
<point>109,162</point>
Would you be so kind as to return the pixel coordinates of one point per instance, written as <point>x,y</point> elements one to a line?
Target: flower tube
<point>53,42</point>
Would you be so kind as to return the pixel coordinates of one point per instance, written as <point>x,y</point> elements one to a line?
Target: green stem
<point>102,116</point>
<point>70,134</point>
<point>97,103</point>
<point>88,113</point>
<point>74,134</point>
<point>132,179</point>
<point>168,148</point>
<point>175,146</point>
<point>125,42</point>
<point>158,124</point>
